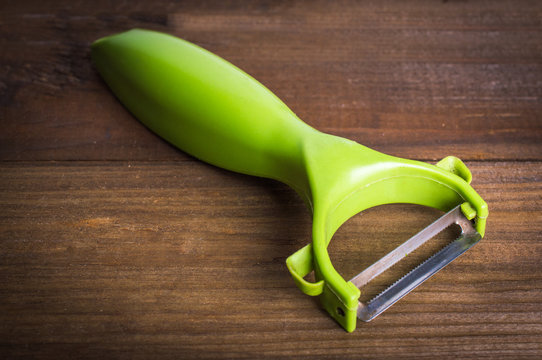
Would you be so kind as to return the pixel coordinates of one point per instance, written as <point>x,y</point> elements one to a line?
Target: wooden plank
<point>184,260</point>
<point>419,80</point>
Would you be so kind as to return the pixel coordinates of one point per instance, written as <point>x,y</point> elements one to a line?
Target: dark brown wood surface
<point>114,244</point>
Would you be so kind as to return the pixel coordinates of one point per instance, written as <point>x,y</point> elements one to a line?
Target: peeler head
<point>346,178</point>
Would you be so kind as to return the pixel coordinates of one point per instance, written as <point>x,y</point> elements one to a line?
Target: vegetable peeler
<point>211,109</point>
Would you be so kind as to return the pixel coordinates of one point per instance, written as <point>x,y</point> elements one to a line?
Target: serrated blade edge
<point>417,276</point>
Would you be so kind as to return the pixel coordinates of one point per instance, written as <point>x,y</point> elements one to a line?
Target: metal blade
<point>410,281</point>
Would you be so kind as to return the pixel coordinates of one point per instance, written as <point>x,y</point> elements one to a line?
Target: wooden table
<point>113,244</point>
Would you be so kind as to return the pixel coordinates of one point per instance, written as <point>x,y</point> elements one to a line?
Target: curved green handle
<point>204,105</point>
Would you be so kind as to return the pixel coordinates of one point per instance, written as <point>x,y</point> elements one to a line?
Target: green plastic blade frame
<point>214,111</point>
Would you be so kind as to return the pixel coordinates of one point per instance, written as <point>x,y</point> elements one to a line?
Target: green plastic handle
<point>204,105</point>
<point>211,109</point>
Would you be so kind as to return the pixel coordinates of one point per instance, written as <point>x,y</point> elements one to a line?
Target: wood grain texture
<point>115,245</point>
<point>420,80</point>
<point>181,258</point>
